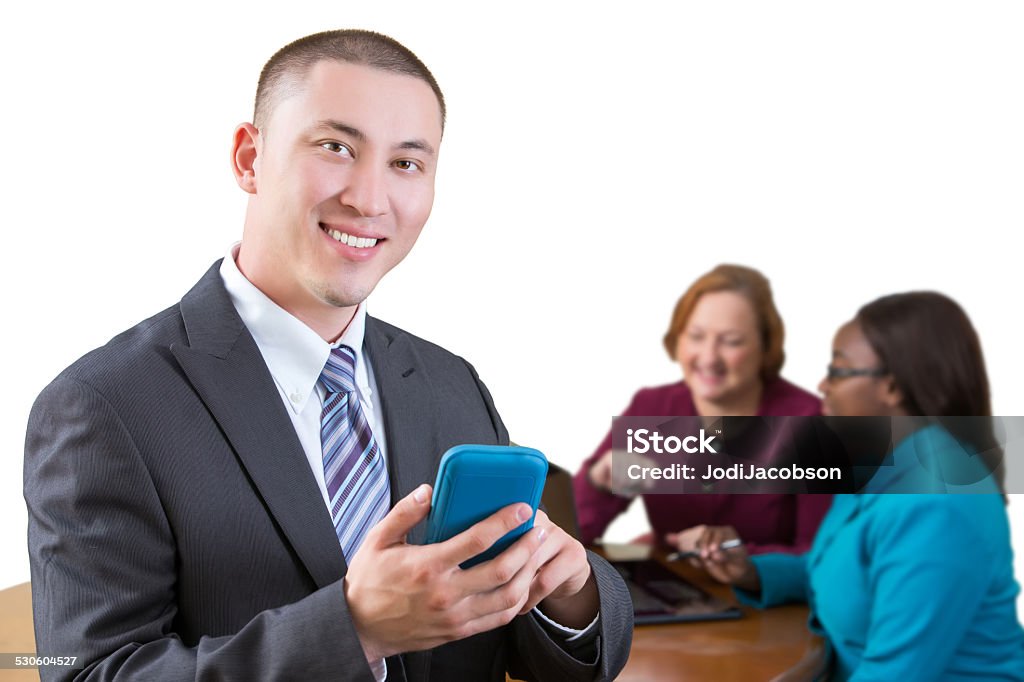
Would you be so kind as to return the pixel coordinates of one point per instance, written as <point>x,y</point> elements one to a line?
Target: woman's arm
<point>595,507</point>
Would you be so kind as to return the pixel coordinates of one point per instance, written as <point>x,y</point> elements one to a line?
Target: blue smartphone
<point>474,481</point>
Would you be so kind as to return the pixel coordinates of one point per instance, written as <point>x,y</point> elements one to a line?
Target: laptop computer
<point>659,594</point>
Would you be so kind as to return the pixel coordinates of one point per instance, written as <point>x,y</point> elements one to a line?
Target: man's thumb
<point>409,511</point>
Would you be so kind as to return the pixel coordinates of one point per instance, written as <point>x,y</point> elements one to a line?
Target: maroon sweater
<point>767,523</point>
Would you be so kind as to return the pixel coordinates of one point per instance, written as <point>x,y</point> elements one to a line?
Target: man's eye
<point>336,148</point>
<point>407,165</point>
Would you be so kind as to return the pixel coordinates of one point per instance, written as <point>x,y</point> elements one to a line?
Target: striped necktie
<point>357,480</point>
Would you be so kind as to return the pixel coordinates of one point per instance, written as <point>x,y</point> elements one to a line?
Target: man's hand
<point>408,597</point>
<point>563,587</point>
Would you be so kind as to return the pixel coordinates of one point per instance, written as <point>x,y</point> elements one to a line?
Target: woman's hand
<point>730,566</point>
<point>600,474</point>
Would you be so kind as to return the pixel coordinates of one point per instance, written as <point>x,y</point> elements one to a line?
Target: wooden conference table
<point>16,636</point>
<point>758,646</point>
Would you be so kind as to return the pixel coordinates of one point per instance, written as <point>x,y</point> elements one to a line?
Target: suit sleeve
<point>538,656</point>
<point>535,654</point>
<point>103,561</point>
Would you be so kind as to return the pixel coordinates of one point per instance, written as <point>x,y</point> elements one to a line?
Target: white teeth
<point>350,240</point>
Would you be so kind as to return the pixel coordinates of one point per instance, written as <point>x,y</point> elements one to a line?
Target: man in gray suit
<point>183,515</point>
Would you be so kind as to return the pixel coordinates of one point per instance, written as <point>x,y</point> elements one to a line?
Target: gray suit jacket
<point>177,533</point>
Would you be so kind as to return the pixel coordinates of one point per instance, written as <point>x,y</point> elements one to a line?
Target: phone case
<point>474,481</point>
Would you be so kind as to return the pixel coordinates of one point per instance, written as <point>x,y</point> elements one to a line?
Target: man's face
<point>342,183</point>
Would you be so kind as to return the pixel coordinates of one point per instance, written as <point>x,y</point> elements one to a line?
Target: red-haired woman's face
<point>720,348</point>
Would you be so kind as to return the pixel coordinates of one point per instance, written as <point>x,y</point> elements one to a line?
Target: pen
<point>728,544</point>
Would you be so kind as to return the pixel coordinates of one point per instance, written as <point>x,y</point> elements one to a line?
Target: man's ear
<point>244,152</point>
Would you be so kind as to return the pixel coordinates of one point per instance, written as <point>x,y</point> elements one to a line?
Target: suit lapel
<point>225,367</point>
<point>409,424</point>
<point>410,429</point>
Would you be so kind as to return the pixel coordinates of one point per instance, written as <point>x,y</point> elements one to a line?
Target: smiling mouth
<point>351,240</point>
<point>710,375</point>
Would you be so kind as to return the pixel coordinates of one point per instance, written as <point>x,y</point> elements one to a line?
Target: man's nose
<point>366,192</point>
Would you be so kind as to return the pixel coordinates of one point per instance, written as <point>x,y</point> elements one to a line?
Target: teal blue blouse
<point>908,587</point>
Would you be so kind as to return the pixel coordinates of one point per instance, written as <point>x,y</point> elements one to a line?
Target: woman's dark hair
<point>928,345</point>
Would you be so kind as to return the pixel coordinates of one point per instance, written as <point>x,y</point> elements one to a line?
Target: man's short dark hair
<point>282,76</point>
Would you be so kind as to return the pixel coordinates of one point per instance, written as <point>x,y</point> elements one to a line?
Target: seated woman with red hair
<point>728,337</point>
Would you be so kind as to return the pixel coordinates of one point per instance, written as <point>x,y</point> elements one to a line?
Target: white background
<point>597,159</point>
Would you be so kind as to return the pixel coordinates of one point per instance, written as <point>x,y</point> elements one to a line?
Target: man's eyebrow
<point>333,124</point>
<point>418,144</point>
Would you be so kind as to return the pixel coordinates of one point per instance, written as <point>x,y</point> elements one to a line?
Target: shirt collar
<point>294,353</point>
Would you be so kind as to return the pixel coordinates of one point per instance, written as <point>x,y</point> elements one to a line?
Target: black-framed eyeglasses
<point>834,372</point>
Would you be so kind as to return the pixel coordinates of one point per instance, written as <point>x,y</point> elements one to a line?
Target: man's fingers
<point>509,597</point>
<point>490,621</point>
<point>409,511</point>
<point>551,576</point>
<point>504,567</point>
<point>482,535</point>
<point>554,541</point>
<point>565,574</point>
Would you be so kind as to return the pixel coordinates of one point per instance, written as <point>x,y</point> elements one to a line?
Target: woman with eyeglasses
<point>905,586</point>
<point>727,335</point>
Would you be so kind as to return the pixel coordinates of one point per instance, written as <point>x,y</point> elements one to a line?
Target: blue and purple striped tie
<point>357,480</point>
